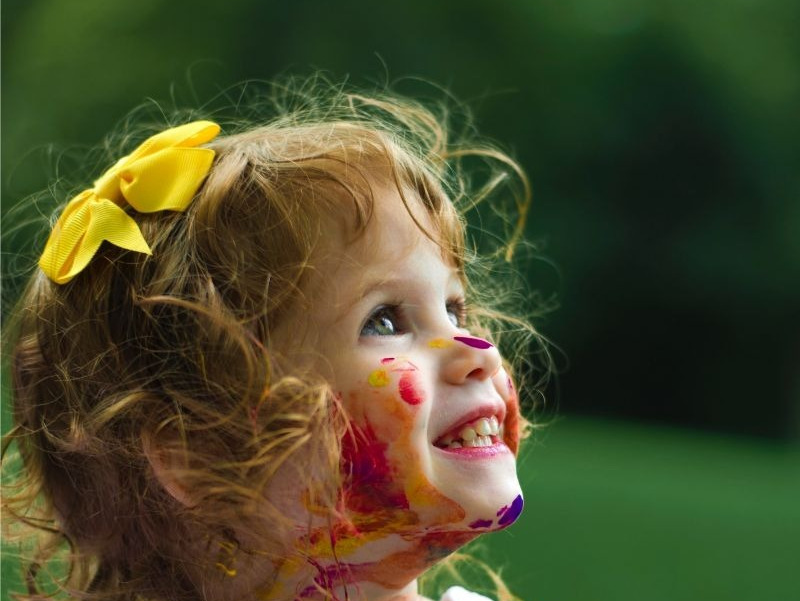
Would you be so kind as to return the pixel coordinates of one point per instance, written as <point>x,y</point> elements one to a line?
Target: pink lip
<point>486,410</point>
<point>498,448</point>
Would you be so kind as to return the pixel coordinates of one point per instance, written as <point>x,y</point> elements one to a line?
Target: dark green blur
<point>662,140</point>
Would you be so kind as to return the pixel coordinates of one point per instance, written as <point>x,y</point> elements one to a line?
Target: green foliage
<point>660,138</point>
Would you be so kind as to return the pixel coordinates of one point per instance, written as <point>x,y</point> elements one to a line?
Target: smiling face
<point>429,462</point>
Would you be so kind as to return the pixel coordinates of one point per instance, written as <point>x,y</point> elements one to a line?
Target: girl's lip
<point>498,448</point>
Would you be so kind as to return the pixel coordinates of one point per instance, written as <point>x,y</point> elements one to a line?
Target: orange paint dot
<point>439,343</point>
<point>378,378</point>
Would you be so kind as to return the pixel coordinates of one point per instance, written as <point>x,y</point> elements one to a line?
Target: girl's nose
<point>470,358</point>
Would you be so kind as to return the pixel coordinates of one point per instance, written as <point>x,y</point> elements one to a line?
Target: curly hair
<point>175,347</point>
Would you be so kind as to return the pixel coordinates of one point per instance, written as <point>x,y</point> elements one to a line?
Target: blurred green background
<point>662,141</point>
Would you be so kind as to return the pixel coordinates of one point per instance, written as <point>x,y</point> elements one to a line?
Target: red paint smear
<point>341,529</point>
<point>386,360</point>
<point>328,578</point>
<point>481,524</point>
<point>512,421</point>
<point>474,342</point>
<point>371,484</point>
<point>396,570</point>
<point>407,390</point>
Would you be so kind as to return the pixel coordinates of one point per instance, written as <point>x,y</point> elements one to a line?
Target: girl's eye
<point>457,312</point>
<point>385,321</point>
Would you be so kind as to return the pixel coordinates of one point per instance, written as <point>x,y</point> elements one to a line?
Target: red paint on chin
<point>408,391</point>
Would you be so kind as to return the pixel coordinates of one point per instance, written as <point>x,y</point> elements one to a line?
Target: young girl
<point>253,365</point>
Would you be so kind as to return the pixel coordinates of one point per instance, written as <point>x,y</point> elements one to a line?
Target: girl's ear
<point>168,464</point>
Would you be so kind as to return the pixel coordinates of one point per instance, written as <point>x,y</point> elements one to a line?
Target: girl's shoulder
<point>459,593</point>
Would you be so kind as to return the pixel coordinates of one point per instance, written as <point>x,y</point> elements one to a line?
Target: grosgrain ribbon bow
<point>163,173</point>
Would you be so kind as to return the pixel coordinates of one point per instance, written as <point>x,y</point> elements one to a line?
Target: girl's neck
<point>387,570</point>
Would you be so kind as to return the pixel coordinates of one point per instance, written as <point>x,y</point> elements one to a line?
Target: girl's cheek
<point>511,425</point>
<point>399,377</point>
<point>388,399</point>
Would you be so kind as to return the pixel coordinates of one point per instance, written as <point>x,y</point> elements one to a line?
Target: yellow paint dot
<point>378,378</point>
<point>439,343</point>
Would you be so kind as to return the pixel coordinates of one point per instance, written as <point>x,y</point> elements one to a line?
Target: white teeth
<point>483,427</point>
<point>468,434</point>
<point>478,441</point>
<point>477,434</point>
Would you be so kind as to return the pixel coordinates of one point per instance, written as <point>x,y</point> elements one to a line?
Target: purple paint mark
<point>328,577</point>
<point>474,342</point>
<point>386,360</point>
<point>481,524</point>
<point>510,514</point>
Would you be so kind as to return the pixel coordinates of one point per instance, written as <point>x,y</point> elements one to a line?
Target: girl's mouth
<point>482,432</point>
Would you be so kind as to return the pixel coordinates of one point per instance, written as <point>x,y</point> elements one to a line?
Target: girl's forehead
<point>400,225</point>
<point>399,239</point>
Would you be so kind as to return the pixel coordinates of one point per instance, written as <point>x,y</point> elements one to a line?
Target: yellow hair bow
<point>163,173</point>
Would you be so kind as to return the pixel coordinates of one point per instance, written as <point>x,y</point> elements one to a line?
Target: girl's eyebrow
<point>392,283</point>
<point>370,287</point>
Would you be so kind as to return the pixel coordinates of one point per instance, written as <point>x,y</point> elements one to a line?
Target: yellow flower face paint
<point>439,343</point>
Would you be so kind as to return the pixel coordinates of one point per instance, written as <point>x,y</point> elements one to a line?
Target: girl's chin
<point>489,507</point>
<point>496,513</point>
<point>484,485</point>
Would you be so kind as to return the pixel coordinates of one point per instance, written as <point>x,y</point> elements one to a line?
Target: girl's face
<point>429,462</point>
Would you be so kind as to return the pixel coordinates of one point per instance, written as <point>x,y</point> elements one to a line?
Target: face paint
<point>481,524</point>
<point>382,462</point>
<point>371,481</point>
<point>508,515</point>
<point>478,343</point>
<point>407,390</point>
<point>395,571</point>
<point>378,378</point>
<point>386,493</point>
<point>408,496</point>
